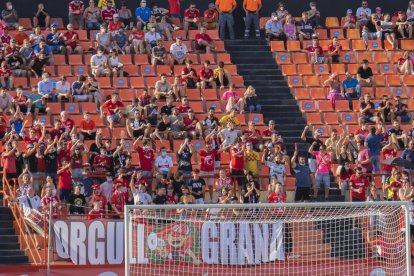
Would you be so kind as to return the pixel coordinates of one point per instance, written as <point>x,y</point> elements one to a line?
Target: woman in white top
<point>410,12</point>
<point>387,30</point>
<point>104,39</point>
<point>117,68</point>
<point>63,89</point>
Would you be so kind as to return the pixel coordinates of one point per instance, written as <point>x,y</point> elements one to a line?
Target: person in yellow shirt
<point>252,8</point>
<point>251,160</point>
<point>230,117</point>
<point>225,9</point>
<point>222,76</point>
<point>103,3</point>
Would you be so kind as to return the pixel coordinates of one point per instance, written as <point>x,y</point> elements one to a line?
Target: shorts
<point>302,193</point>
<point>191,83</point>
<point>199,47</point>
<point>88,136</point>
<point>199,201</point>
<point>41,110</point>
<point>56,49</point>
<point>312,164</point>
<point>146,174</point>
<point>192,25</point>
<point>64,194</point>
<point>209,180</point>
<point>23,108</point>
<point>405,118</point>
<point>81,98</point>
<point>324,179</point>
<point>114,118</point>
<point>368,118</point>
<point>100,71</point>
<point>335,59</point>
<point>386,32</point>
<point>320,59</point>
<point>17,72</point>
<point>357,200</point>
<point>225,81</point>
<point>137,133</point>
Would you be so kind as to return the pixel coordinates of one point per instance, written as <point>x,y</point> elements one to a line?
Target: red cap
<point>96,187</point>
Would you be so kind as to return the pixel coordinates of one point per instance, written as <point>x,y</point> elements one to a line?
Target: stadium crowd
<point>83,168</point>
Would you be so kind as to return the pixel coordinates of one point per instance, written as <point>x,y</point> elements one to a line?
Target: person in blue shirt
<point>42,47</point>
<point>142,14</point>
<point>36,103</point>
<point>350,89</point>
<point>46,87</point>
<point>303,176</point>
<point>55,40</point>
<point>16,122</point>
<point>373,142</point>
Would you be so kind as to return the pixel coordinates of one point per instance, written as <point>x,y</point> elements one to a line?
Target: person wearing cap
<point>107,13</point>
<point>76,8</point>
<point>211,17</point>
<point>305,27</point>
<point>98,198</point>
<point>350,20</point>
<point>252,8</point>
<point>21,36</point>
<point>114,25</point>
<point>120,45</point>
<point>55,40</point>
<point>363,14</point>
<point>191,18</point>
<point>314,15</point>
<point>92,14</point>
<point>192,125</point>
<point>274,29</point>
<point>71,41</point>
<point>9,16</point>
<point>142,14</point>
<point>225,9</point>
<point>404,27</point>
<point>178,53</point>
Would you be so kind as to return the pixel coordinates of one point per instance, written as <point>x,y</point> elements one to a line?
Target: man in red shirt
<point>114,108</point>
<point>6,76</point>
<point>101,162</point>
<point>98,198</point>
<point>237,161</point>
<point>67,122</point>
<point>184,108</point>
<point>5,38</point>
<point>108,13</point>
<point>267,134</point>
<point>206,76</point>
<point>71,41</point>
<point>115,24</point>
<point>174,8</point>
<point>118,201</point>
<point>334,51</point>
<point>211,17</point>
<point>193,126</point>
<point>146,159</point>
<point>48,199</point>
<point>189,76</point>
<point>123,180</point>
<point>191,18</point>
<point>76,8</point>
<point>96,212</point>
<point>203,42</point>
<point>57,130</point>
<point>64,180</point>
<point>254,136</point>
<point>315,51</point>
<point>358,184</point>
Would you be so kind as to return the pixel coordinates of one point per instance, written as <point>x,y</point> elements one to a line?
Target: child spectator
<point>289,28</point>
<point>350,20</point>
<point>334,88</point>
<point>334,51</point>
<point>96,212</point>
<point>315,51</point>
<point>276,194</point>
<point>405,64</point>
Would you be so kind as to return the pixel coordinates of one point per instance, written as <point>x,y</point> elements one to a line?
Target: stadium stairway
<point>10,252</point>
<point>257,65</point>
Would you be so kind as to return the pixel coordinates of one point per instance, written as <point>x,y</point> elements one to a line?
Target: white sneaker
<point>176,28</point>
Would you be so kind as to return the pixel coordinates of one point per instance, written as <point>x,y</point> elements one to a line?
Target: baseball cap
<point>53,25</point>
<point>318,131</point>
<point>378,8</point>
<point>96,187</point>
<point>349,11</point>
<point>211,5</point>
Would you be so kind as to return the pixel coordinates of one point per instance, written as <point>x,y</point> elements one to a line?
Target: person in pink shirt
<point>323,167</point>
<point>364,159</point>
<point>232,100</point>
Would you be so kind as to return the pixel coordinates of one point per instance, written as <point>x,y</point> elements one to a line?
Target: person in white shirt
<point>178,53</point>
<point>99,64</point>
<point>163,164</point>
<point>140,195</point>
<point>229,134</point>
<point>107,187</point>
<point>363,14</point>
<point>63,90</point>
<point>274,29</point>
<point>151,38</point>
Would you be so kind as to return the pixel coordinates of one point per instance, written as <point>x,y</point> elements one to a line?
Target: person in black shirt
<point>305,28</point>
<point>184,155</point>
<point>160,198</point>
<point>177,182</point>
<point>401,110</point>
<point>168,107</point>
<point>385,109</point>
<point>397,135</point>
<point>162,131</point>
<point>197,187</point>
<point>364,75</point>
<point>372,30</point>
<point>77,201</point>
<point>250,192</point>
<point>367,109</point>
<point>404,27</point>
<point>311,140</point>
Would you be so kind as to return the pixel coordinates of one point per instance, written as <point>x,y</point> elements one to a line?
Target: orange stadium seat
<point>65,70</point>
<point>309,81</point>
<point>210,94</point>
<point>330,118</point>
<point>75,60</point>
<point>301,93</point>
<point>59,59</point>
<point>55,108</point>
<point>338,68</point>
<point>307,106</point>
<point>348,57</point>
<point>341,105</point>
<point>26,23</point>
<point>104,82</point>
<point>72,108</point>
<point>146,70</point>
<point>277,46</point>
<point>353,34</point>
<point>163,69</point>
<point>386,68</point>
<point>210,57</point>
<point>365,55</point>
<point>321,69</point>
<point>314,118</point>
<point>374,45</point>
<point>214,104</point>
<point>349,118</point>
<point>193,94</point>
<point>353,68</point>
<point>295,81</point>
<point>299,58</point>
<point>379,80</point>
<point>257,118</point>
<point>283,58</point>
<point>403,92</point>
<point>408,80</point>
<point>339,33</point>
<point>322,33</point>
<point>332,22</point>
<point>132,70</point>
<point>141,59</point>
<point>317,93</point>
<point>393,80</point>
<point>407,44</point>
<point>224,57</point>
<point>325,105</point>
<point>305,69</point>
<point>289,69</point>
<point>137,82</point>
<point>120,82</point>
<point>293,45</point>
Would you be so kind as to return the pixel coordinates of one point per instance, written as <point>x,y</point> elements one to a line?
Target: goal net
<point>268,239</point>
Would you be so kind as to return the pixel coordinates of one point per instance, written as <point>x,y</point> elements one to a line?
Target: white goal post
<point>342,238</point>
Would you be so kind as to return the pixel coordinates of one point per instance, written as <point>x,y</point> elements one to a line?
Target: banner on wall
<point>225,243</point>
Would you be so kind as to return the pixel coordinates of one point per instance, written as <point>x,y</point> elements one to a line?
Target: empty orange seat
<point>353,68</point>
<point>224,57</point>
<point>322,129</point>
<point>120,83</point>
<point>325,105</point>
<point>400,91</point>
<point>72,108</point>
<point>349,118</point>
<point>293,45</point>
<point>210,57</point>
<point>314,118</point>
<point>381,57</point>
<point>348,57</point>
<point>87,106</point>
<point>367,90</point>
<point>365,55</point>
<point>379,80</point>
<point>65,70</point>
<point>125,59</point>
<point>295,81</point>
<point>301,93</point>
<point>26,23</point>
<point>317,93</point>
<point>197,106</point>
<point>74,60</point>
<point>147,70</point>
<point>309,81</point>
<point>210,94</point>
<point>257,118</point>
<point>283,58</point>
<point>307,106</point>
<point>353,34</point>
<point>338,68</point>
<point>331,22</point>
<point>395,56</point>
<point>321,69</point>
<point>193,94</point>
<point>322,33</point>
<point>137,82</point>
<point>277,46</point>
<point>55,108</point>
<point>289,69</point>
<point>407,44</point>
<point>141,59</point>
<point>214,104</point>
<point>21,82</point>
<point>408,80</point>
<point>339,33</point>
<point>380,91</point>
<point>305,69</point>
<point>298,58</point>
<point>341,105</point>
<point>163,69</point>
<point>393,80</point>
<point>330,118</point>
<point>59,59</point>
<point>131,69</point>
<point>386,68</point>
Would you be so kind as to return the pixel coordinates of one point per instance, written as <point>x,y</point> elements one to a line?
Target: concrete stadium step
<point>268,76</point>
<point>252,60</point>
<point>9,238</point>
<point>14,260</point>
<point>17,252</point>
<point>251,53</point>
<point>273,66</point>
<point>249,48</point>
<point>239,42</point>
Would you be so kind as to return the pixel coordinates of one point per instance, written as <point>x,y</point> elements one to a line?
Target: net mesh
<point>267,240</point>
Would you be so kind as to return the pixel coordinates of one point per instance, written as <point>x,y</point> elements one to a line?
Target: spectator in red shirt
<point>118,201</point>
<point>237,161</point>
<point>57,130</point>
<point>388,151</point>
<point>101,162</point>
<point>405,64</point>
<point>71,41</point>
<point>185,107</point>
<point>315,51</point>
<point>67,122</point>
<point>193,126</point>
<point>174,7</point>
<point>6,76</point>
<point>87,127</point>
<point>76,8</point>
<point>98,197</point>
<point>276,194</point>
<point>191,18</point>
<point>49,199</point>
<point>146,158</point>
<point>267,134</point>
<point>114,109</point>
<point>334,51</point>
<point>107,14</point>
<point>358,184</point>
<point>65,180</point>
<point>206,76</point>
<point>96,212</point>
<point>189,76</point>
<point>203,42</point>
<point>114,25</point>
<point>254,136</point>
<point>210,19</point>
